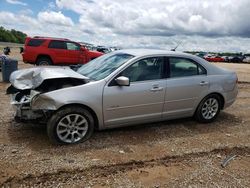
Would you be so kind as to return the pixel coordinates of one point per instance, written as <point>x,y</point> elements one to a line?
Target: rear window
<point>182,67</point>
<point>35,42</point>
<point>57,44</point>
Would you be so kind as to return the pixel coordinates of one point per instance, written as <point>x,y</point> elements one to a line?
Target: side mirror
<point>122,81</point>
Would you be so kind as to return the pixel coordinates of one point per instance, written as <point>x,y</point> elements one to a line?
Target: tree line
<point>12,35</point>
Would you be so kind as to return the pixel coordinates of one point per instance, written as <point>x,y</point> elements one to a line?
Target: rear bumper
<point>230,97</point>
<point>28,59</point>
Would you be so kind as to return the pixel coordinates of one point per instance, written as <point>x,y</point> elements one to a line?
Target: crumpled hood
<point>34,77</point>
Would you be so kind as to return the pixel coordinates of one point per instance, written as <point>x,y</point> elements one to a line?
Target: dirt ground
<point>178,153</point>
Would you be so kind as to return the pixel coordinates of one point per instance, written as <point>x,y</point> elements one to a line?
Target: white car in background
<point>246,60</point>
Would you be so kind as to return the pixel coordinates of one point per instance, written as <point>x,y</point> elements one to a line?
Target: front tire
<point>70,125</point>
<point>208,109</point>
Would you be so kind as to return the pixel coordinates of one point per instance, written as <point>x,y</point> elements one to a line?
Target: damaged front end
<point>21,102</point>
<point>28,87</point>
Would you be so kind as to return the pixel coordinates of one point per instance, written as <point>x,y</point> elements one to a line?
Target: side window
<point>145,69</point>
<point>35,42</point>
<point>181,67</point>
<point>57,44</point>
<point>72,46</point>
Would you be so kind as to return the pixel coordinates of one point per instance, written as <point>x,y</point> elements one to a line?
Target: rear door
<point>58,52</point>
<point>140,102</point>
<point>186,84</point>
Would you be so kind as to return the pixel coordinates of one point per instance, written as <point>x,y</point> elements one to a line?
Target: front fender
<point>44,102</point>
<point>89,95</point>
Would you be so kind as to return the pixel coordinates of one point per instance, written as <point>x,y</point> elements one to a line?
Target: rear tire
<point>208,109</point>
<point>70,125</point>
<point>43,61</point>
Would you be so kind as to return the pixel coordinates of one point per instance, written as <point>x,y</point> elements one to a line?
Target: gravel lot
<point>179,153</point>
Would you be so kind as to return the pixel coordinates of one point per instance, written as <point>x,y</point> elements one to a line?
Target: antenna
<point>173,49</point>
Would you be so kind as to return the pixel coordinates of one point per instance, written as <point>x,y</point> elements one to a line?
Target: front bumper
<point>24,112</point>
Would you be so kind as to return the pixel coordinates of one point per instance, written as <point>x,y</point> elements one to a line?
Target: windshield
<point>101,67</point>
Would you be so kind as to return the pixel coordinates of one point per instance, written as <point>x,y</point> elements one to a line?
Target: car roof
<point>50,38</point>
<point>138,53</point>
<point>145,52</point>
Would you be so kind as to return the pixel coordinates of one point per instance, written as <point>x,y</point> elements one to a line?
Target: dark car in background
<point>103,49</point>
<point>236,59</point>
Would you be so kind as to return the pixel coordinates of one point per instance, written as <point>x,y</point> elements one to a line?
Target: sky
<point>200,25</point>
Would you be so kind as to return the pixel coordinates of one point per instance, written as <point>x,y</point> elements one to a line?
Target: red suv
<point>55,51</point>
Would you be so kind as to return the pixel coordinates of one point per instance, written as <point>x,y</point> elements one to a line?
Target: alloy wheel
<point>210,108</point>
<point>72,128</point>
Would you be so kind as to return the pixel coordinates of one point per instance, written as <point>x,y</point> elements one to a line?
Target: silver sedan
<point>122,88</point>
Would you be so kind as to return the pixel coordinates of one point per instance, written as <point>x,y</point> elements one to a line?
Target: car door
<point>58,50</point>
<point>141,101</point>
<point>73,53</point>
<point>186,84</point>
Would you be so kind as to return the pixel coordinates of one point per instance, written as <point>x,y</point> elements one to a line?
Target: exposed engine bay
<point>46,86</point>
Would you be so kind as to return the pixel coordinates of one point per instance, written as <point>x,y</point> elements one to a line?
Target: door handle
<point>156,89</point>
<point>203,83</point>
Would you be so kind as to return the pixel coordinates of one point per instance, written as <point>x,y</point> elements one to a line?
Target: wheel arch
<point>44,55</point>
<point>214,93</point>
<point>197,113</point>
<point>91,111</point>
<point>221,97</point>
